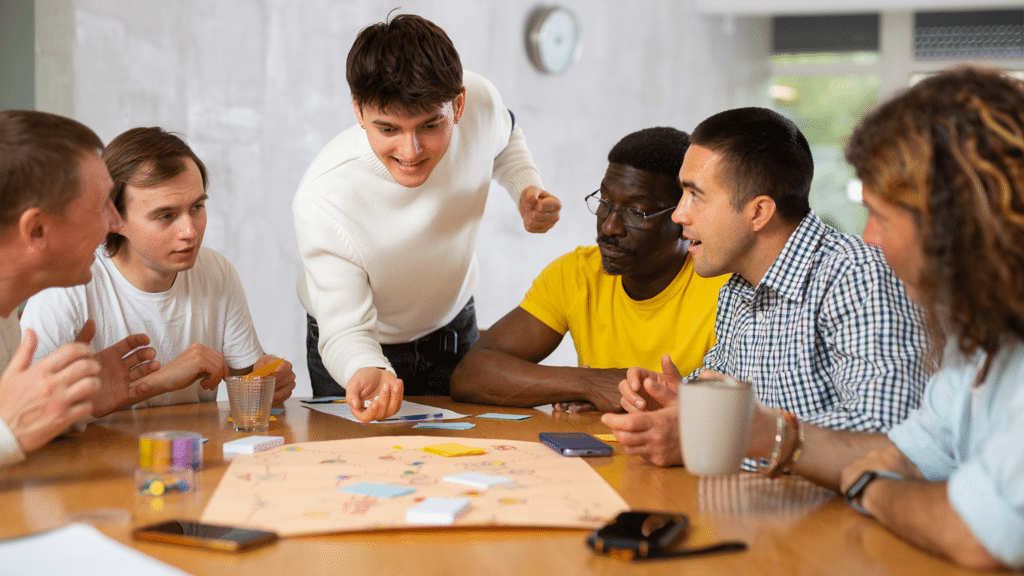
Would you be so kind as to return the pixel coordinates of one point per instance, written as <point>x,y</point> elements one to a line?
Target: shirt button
<point>760,316</point>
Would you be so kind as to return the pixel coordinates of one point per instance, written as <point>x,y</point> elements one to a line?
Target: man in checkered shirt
<point>815,319</point>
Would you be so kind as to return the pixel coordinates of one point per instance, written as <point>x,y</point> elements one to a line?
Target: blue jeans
<point>425,365</point>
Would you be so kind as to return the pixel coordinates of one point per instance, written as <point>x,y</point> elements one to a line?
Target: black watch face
<point>859,485</point>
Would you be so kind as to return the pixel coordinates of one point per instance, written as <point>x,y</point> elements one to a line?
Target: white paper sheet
<point>409,412</point>
<point>77,549</point>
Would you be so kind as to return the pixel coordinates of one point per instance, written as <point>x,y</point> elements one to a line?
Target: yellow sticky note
<point>266,370</point>
<point>606,437</point>
<point>450,449</point>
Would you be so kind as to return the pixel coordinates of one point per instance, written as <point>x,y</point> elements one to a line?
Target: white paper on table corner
<point>78,549</point>
<point>342,409</point>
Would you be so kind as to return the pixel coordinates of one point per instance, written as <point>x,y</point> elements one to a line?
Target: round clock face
<point>554,40</point>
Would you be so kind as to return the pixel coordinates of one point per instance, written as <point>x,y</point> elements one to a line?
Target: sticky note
<point>324,400</point>
<point>498,416</point>
<point>477,480</point>
<point>606,437</point>
<point>445,425</point>
<point>276,411</point>
<point>450,449</point>
<point>377,489</point>
<point>265,370</point>
<point>437,510</point>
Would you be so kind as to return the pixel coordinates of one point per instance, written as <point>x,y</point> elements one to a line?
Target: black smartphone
<point>189,533</point>
<point>575,444</point>
<point>639,533</point>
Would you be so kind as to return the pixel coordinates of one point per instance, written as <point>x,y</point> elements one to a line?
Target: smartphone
<point>189,533</point>
<point>639,533</point>
<point>575,444</point>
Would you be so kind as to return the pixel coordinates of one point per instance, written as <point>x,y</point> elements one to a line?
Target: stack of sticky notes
<point>450,449</point>
<point>436,510</point>
<point>251,445</point>
<point>477,480</point>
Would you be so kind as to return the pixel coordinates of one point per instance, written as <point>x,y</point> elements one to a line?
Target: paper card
<point>499,416</point>
<point>477,480</point>
<point>450,449</point>
<point>266,369</point>
<point>445,425</point>
<point>437,510</point>
<point>606,437</point>
<point>377,489</point>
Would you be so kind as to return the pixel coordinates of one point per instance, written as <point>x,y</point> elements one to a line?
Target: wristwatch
<point>857,488</point>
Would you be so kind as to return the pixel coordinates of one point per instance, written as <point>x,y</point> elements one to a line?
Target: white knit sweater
<point>383,263</point>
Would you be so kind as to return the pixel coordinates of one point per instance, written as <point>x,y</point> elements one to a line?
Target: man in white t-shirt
<point>154,276</point>
<point>54,210</point>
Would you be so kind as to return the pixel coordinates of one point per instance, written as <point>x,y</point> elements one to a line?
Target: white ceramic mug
<point>715,417</point>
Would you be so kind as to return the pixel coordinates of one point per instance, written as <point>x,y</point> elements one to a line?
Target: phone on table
<point>639,533</point>
<point>642,534</point>
<point>575,444</point>
<point>216,537</point>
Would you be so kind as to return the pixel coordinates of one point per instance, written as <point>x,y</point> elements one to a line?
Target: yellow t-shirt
<point>610,329</point>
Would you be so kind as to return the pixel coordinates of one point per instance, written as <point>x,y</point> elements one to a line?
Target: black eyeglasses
<point>630,217</point>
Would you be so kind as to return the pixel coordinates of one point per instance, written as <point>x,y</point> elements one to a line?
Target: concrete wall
<point>258,86</point>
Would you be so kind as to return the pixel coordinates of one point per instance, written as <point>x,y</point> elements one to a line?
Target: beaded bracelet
<point>780,430</point>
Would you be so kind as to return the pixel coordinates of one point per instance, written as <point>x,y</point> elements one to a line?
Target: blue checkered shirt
<point>829,334</point>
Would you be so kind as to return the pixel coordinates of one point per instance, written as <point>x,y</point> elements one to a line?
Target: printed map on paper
<point>293,489</point>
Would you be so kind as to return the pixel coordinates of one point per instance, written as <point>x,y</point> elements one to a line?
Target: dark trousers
<point>425,365</point>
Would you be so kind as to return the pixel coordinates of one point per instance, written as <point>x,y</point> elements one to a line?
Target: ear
<point>358,111</point>
<point>760,211</point>
<point>459,105</point>
<point>33,227</point>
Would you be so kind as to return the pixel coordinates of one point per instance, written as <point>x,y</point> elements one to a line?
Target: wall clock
<point>553,39</point>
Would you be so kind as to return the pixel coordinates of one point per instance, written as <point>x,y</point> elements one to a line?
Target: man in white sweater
<point>388,213</point>
<point>54,211</point>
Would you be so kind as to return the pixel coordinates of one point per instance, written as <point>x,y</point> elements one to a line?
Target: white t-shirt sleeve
<point>56,315</point>
<point>241,345</point>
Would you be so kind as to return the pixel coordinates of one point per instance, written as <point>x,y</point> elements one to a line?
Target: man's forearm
<point>825,453</point>
<point>497,378</point>
<point>919,511</point>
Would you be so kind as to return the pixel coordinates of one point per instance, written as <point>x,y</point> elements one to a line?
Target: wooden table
<point>791,526</point>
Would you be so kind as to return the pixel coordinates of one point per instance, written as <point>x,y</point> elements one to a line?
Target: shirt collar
<point>788,274</point>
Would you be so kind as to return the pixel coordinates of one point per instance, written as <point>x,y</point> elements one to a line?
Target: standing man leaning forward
<point>55,210</point>
<point>387,217</point>
<point>815,319</point>
<point>943,172</point>
<point>624,301</point>
<point>154,276</point>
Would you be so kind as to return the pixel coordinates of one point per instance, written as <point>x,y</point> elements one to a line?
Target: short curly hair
<point>951,150</point>
<point>657,150</point>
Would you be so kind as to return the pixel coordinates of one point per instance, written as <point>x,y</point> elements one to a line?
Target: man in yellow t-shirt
<point>624,301</point>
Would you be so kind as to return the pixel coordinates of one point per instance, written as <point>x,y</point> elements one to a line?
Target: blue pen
<point>414,417</point>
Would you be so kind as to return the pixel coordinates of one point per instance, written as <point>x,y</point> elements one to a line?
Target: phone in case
<point>575,444</point>
<point>639,534</point>
<point>189,533</point>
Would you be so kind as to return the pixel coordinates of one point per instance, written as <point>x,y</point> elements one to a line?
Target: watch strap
<point>858,487</point>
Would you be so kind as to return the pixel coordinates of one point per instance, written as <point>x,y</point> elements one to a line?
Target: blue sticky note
<point>377,489</point>
<point>276,411</point>
<point>446,425</point>
<point>324,400</point>
<point>497,416</point>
